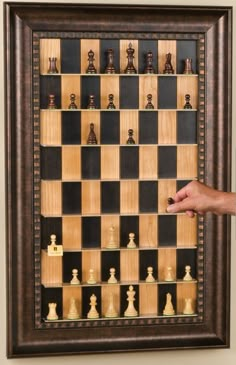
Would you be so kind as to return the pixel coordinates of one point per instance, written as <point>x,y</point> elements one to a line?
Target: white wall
<point>180,357</point>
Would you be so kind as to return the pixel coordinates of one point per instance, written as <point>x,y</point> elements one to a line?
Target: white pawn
<point>131,243</point>
<point>112,279</point>
<point>112,243</point>
<point>150,278</point>
<point>187,276</point>
<point>75,279</point>
<point>93,313</point>
<point>52,314</point>
<point>73,312</point>
<point>169,310</point>
<point>169,274</point>
<point>91,280</point>
<point>188,309</point>
<point>111,312</point>
<point>130,311</point>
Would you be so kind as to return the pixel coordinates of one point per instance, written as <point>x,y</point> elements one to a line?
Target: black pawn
<point>130,140</point>
<point>111,103</point>
<point>92,136</point>
<point>51,102</point>
<point>149,104</point>
<point>187,102</point>
<point>72,102</point>
<point>91,104</point>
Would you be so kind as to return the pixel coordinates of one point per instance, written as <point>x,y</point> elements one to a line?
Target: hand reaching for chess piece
<point>199,198</point>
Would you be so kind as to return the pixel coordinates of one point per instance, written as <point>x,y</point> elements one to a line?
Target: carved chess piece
<point>72,104</point>
<point>52,314</point>
<point>112,242</point>
<point>149,69</point>
<point>131,243</point>
<point>149,104</point>
<point>91,68</point>
<point>168,66</point>
<point>112,279</point>
<point>130,311</point>
<point>111,103</point>
<point>51,102</point>
<point>92,139</point>
<point>150,278</point>
<point>168,310</point>
<point>73,311</point>
<point>188,66</point>
<point>93,313</point>
<point>188,308</point>
<point>187,276</point>
<point>111,312</point>
<point>52,65</point>
<point>110,68</point>
<point>53,248</point>
<point>187,102</point>
<point>75,280</point>
<point>169,275</point>
<point>91,280</point>
<point>91,103</point>
<point>130,69</point>
<point>130,140</point>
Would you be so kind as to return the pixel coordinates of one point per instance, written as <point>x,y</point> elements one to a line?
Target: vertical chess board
<point>86,189</point>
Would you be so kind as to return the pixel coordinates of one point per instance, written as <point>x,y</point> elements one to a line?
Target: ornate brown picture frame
<point>145,148</point>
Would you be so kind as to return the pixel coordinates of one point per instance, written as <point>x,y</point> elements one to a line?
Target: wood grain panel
<point>129,197</point>
<point>91,260</point>
<point>148,85</point>
<point>166,127</point>
<point>49,48</point>
<point>69,292</point>
<point>148,299</point>
<point>71,233</point>
<point>86,46</point>
<point>51,202</point>
<point>129,265</point>
<point>71,160</point>
<point>87,117</point>
<point>50,128</point>
<point>128,120</point>
<point>70,84</point>
<point>186,231</point>
<point>166,258</point>
<point>164,47</point>
<point>91,201</point>
<point>109,85</point>
<point>51,269</point>
<point>124,45</point>
<point>166,189</point>
<point>187,162</point>
<point>186,290</point>
<point>148,162</point>
<point>107,291</point>
<point>110,162</point>
<point>148,231</point>
<point>187,85</point>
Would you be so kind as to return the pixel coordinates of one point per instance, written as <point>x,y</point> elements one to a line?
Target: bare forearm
<point>226,204</point>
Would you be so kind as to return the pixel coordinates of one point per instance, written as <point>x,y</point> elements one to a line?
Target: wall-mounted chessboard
<point>118,137</point>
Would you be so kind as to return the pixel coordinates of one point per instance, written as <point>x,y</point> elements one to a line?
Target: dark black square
<point>110,259</point>
<point>148,127</point>
<point>181,183</point>
<point>129,97</point>
<point>71,260</point>
<point>50,85</point>
<point>110,127</point>
<point>50,163</point>
<point>90,85</point>
<point>186,49</point>
<point>186,127</point>
<point>167,92</point>
<point>50,226</point>
<point>71,197</point>
<point>167,230</point>
<point>129,224</point>
<point>148,197</point>
<point>148,258</point>
<point>71,127</point>
<point>70,56</point>
<point>129,162</point>
<point>51,295</point>
<point>91,232</point>
<point>110,197</point>
<point>167,161</point>
<point>186,257</point>
<point>90,159</point>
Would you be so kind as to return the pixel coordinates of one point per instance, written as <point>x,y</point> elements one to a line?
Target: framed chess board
<point>109,111</point>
